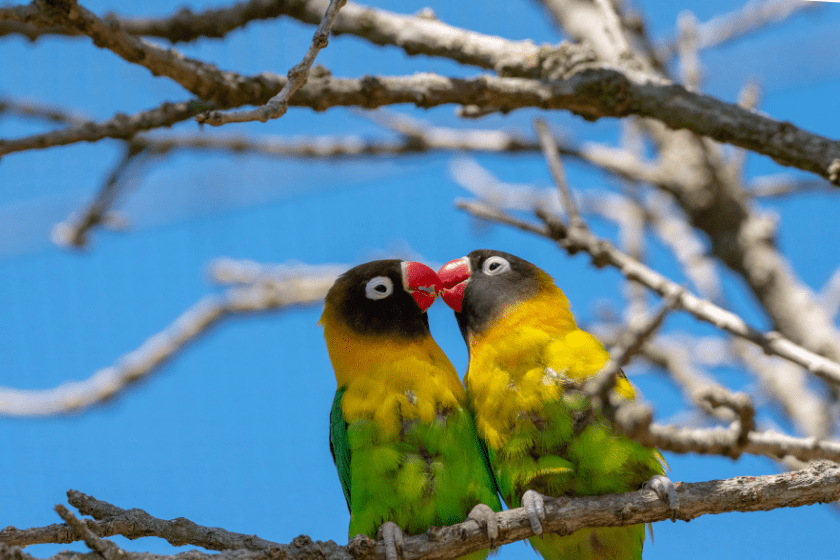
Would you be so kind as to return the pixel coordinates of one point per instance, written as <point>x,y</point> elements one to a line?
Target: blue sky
<point>233,432</point>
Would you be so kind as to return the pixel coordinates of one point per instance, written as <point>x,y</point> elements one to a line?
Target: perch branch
<point>819,483</point>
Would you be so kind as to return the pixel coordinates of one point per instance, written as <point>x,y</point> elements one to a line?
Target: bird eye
<point>495,266</point>
<point>379,287</point>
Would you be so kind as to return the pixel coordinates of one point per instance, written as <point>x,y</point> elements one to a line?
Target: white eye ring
<point>379,287</point>
<point>495,266</point>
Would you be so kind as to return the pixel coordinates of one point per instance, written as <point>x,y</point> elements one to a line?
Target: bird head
<point>384,297</point>
<point>484,285</point>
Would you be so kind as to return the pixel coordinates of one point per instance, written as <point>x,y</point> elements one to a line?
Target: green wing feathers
<point>432,475</point>
<point>339,446</point>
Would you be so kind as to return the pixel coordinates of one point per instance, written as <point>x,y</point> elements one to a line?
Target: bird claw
<point>666,491</point>
<point>393,537</point>
<point>487,520</point>
<point>534,504</point>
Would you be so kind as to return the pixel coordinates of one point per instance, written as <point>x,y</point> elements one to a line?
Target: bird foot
<point>393,537</point>
<point>666,491</point>
<point>487,520</point>
<point>534,504</point>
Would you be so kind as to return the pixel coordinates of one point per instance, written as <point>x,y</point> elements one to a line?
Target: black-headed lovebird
<point>404,446</point>
<point>527,364</point>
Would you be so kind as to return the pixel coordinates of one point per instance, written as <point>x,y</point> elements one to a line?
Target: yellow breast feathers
<point>524,360</point>
<point>391,380</point>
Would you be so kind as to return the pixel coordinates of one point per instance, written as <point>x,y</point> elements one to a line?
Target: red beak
<point>421,282</point>
<point>454,276</point>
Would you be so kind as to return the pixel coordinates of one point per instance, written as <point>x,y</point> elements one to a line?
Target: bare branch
<point>731,26</point>
<point>770,186</point>
<point>301,548</point>
<point>30,109</point>
<point>593,22</point>
<point>73,231</point>
<point>247,273</point>
<point>133,524</point>
<point>416,35</point>
<point>716,397</point>
<point>105,548</point>
<point>614,30</point>
<point>202,79</point>
<point>670,226</point>
<point>629,344</point>
<point>107,383</point>
<point>603,253</point>
<point>830,295</point>
<point>678,363</point>
<point>819,483</point>
<point>690,69</point>
<point>592,93</point>
<point>416,137</point>
<point>432,139</point>
<point>120,126</point>
<point>277,106</point>
<point>723,441</point>
<point>787,384</point>
<point>555,167</point>
<point>186,25</point>
<point>748,97</point>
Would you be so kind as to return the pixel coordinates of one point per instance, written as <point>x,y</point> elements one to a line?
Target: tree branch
<point>723,441</point>
<point>73,230</point>
<point>107,549</point>
<point>819,483</point>
<point>110,520</point>
<point>736,24</point>
<point>277,106</point>
<point>202,79</point>
<point>120,126</point>
<point>36,111</point>
<point>268,293</point>
<point>592,93</point>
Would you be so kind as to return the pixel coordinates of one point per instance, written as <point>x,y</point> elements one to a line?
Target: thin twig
<point>771,186</point>
<point>788,385</point>
<point>277,106</point>
<point>120,126</point>
<point>629,344</point>
<point>73,231</point>
<point>673,230</point>
<point>555,167</point>
<point>731,26</point>
<point>690,69</point>
<point>30,109</point>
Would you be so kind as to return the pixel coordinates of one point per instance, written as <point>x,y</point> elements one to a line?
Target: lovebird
<point>403,443</point>
<point>527,364</point>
